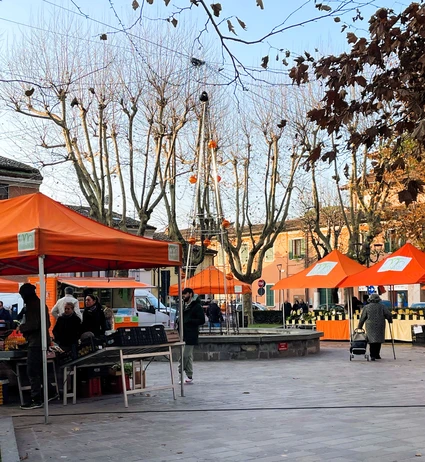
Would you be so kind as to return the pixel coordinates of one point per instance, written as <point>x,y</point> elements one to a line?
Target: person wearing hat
<point>373,316</point>
<point>31,330</point>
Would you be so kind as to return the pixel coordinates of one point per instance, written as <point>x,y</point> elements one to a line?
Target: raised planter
<point>258,344</point>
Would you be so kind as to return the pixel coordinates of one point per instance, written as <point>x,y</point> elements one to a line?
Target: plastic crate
<point>86,347</point>
<point>67,356</point>
<point>158,335</point>
<point>114,384</point>
<point>123,337</point>
<point>91,387</point>
<point>144,336</point>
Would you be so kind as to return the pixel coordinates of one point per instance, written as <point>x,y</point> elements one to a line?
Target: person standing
<point>93,317</point>
<point>193,317</point>
<point>59,307</point>
<point>31,330</point>
<point>214,314</point>
<point>287,308</point>
<point>373,316</point>
<point>67,329</point>
<point>5,314</point>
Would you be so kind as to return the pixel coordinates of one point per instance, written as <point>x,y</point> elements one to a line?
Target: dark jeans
<point>375,349</point>
<point>35,371</point>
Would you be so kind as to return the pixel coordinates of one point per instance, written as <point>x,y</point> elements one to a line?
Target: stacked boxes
<point>4,391</point>
<point>135,336</point>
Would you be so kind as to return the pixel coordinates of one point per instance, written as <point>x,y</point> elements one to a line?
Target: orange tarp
<point>211,281</point>
<point>35,225</point>
<point>9,286</point>
<point>405,266</point>
<point>334,330</point>
<point>104,283</point>
<point>328,272</point>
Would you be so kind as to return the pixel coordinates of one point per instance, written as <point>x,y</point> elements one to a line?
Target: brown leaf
<point>231,28</point>
<point>216,7</point>
<point>405,196</point>
<point>135,5</point>
<point>166,2</point>
<point>241,23</point>
<point>337,19</point>
<point>103,37</point>
<point>351,38</point>
<point>150,2</point>
<point>264,62</point>
<point>260,4</point>
<point>322,7</point>
<point>174,22</point>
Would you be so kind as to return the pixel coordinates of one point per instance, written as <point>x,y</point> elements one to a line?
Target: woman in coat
<point>93,316</point>
<point>374,315</point>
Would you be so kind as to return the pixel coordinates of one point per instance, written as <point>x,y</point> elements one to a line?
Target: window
<point>296,248</point>
<point>244,253</point>
<point>269,295</point>
<point>269,255</point>
<point>4,191</point>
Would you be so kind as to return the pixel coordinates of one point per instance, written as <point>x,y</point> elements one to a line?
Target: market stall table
<point>118,354</point>
<point>16,360</point>
<point>334,330</point>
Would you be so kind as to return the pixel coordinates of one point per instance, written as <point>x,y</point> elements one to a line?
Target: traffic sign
<point>261,291</point>
<point>371,289</point>
<point>261,283</point>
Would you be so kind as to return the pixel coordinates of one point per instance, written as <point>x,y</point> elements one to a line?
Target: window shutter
<point>291,256</point>
<point>269,296</point>
<point>387,247</point>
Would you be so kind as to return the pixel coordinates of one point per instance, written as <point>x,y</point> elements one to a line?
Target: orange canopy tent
<point>211,281</point>
<point>405,266</point>
<point>40,235</point>
<point>328,272</point>
<point>104,283</point>
<point>7,286</point>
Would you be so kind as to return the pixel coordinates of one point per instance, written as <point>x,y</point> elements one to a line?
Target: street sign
<point>371,289</point>
<point>261,291</point>
<point>261,283</point>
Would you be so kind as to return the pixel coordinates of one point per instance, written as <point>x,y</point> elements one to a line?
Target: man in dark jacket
<point>214,314</point>
<point>193,317</point>
<point>31,330</point>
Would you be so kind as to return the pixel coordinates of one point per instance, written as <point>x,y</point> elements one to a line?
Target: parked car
<point>418,306</point>
<point>330,306</point>
<point>255,306</point>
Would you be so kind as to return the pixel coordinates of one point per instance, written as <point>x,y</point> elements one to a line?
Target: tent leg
<point>43,335</point>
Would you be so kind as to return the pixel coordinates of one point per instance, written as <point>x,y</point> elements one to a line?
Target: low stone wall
<point>257,346</point>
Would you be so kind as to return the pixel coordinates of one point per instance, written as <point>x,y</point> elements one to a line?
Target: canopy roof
<point>35,225</point>
<point>326,273</point>
<point>9,286</point>
<point>405,266</point>
<point>103,283</point>
<point>211,281</point>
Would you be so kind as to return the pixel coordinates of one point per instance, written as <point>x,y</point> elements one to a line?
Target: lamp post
<point>279,268</point>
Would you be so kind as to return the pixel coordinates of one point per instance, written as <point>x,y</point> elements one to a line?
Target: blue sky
<point>18,16</point>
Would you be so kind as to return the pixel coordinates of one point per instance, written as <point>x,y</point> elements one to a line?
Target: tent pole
<point>179,285</point>
<point>43,335</point>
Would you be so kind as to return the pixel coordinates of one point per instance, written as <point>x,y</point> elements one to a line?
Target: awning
<point>104,283</point>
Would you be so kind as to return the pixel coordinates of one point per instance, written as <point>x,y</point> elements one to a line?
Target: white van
<point>12,302</point>
<point>149,310</point>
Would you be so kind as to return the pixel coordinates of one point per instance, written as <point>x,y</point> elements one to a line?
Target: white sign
<point>394,264</point>
<point>26,241</point>
<point>417,329</point>
<point>238,289</point>
<point>173,252</point>
<point>322,269</point>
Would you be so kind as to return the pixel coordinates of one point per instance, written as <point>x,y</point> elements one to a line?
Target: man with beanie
<point>193,317</point>
<point>31,330</point>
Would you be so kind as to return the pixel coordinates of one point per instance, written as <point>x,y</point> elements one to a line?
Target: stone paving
<point>316,408</point>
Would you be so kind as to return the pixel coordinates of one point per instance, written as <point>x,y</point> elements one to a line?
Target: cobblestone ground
<point>317,408</point>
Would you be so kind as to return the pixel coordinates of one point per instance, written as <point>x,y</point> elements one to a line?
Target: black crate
<point>124,336</point>
<point>144,336</point>
<point>158,335</point>
<point>85,373</point>
<point>86,347</point>
<point>67,357</point>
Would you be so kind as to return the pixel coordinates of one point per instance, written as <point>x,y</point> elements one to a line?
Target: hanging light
<point>229,276</point>
<point>192,240</point>
<point>218,178</point>
<point>193,179</point>
<point>207,242</point>
<point>212,144</point>
<point>225,223</point>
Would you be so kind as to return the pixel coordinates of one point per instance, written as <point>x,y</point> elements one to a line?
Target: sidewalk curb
<point>8,446</point>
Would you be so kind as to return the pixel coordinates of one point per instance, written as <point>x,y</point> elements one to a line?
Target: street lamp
<point>370,256</point>
<point>279,268</point>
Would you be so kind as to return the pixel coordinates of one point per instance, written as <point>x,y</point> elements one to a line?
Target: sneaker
<point>188,381</point>
<point>32,405</point>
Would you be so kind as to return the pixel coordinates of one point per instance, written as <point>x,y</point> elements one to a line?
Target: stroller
<point>358,344</point>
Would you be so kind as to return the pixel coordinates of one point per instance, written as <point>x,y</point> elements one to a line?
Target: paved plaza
<point>316,408</point>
